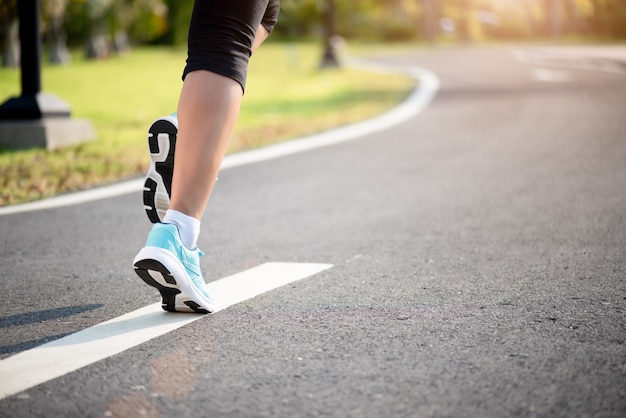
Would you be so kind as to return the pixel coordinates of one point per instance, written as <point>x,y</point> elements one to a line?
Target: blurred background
<point>103,27</point>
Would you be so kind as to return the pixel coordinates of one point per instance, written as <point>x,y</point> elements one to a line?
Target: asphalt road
<point>479,266</point>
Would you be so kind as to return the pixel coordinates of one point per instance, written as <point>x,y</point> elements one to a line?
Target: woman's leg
<point>221,39</point>
<point>207,112</point>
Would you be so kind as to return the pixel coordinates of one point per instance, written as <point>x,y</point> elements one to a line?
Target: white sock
<point>188,227</point>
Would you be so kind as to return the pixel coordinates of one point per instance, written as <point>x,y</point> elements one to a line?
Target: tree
<point>178,18</point>
<point>329,56</point>
<point>8,33</point>
<point>54,14</point>
<point>97,44</point>
<point>429,19</point>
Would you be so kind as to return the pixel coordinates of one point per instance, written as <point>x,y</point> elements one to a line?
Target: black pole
<point>36,119</point>
<point>30,46</point>
<point>31,104</point>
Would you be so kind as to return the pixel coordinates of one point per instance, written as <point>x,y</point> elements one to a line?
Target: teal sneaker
<point>157,188</point>
<point>165,263</point>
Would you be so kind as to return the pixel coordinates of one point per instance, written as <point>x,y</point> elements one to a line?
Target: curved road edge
<point>418,100</point>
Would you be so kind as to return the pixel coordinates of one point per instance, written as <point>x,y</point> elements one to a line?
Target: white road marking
<point>57,358</point>
<point>419,99</point>
<point>571,58</point>
<point>550,76</point>
<point>132,186</point>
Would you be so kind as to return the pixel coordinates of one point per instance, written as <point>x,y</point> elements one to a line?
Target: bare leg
<point>261,35</point>
<point>207,113</point>
<point>208,109</point>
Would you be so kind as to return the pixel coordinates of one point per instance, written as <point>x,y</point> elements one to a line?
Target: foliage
<point>532,19</point>
<point>8,14</point>
<point>178,17</point>
<point>469,20</point>
<point>298,19</point>
<point>141,20</point>
<point>166,21</point>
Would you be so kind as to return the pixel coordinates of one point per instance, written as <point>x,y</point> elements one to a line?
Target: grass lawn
<point>286,97</point>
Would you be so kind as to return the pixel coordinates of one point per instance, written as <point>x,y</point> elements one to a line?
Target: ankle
<point>188,227</point>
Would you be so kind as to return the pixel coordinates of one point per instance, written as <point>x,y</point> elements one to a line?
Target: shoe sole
<point>158,185</point>
<point>160,269</point>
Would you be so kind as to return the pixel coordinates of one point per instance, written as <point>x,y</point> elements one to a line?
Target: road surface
<point>478,256</point>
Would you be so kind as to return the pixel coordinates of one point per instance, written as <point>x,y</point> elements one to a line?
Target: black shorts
<point>221,34</point>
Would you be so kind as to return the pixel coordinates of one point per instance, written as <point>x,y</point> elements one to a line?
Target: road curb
<point>418,100</point>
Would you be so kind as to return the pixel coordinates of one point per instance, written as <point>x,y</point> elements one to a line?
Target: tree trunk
<point>554,13</point>
<point>329,57</point>
<point>11,50</point>
<point>429,20</point>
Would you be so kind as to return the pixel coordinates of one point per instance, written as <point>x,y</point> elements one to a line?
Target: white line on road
<point>57,358</point>
<point>571,58</point>
<point>550,76</point>
<point>413,105</point>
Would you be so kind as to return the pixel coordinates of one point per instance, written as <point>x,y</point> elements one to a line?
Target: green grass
<point>286,97</point>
